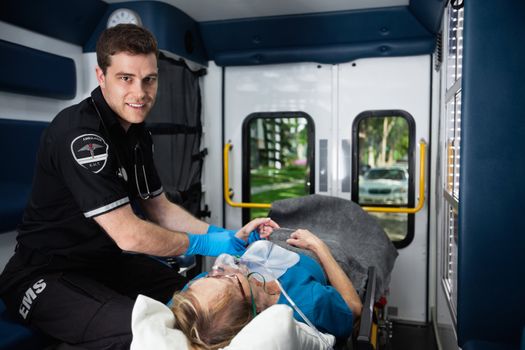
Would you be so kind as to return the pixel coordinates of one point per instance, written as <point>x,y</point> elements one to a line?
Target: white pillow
<point>152,326</point>
<point>274,329</point>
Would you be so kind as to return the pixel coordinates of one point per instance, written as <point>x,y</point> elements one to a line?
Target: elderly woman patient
<point>215,307</point>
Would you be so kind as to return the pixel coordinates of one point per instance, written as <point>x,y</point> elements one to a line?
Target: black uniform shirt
<point>79,175</point>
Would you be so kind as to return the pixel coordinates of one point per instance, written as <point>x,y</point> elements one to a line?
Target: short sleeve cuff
<point>157,192</point>
<point>106,208</point>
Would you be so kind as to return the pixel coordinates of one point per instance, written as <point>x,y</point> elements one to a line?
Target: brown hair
<point>211,328</point>
<point>124,38</point>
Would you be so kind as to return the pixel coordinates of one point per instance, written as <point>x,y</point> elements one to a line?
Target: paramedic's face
<point>130,86</point>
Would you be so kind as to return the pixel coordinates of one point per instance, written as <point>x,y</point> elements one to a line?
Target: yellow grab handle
<point>227,191</point>
<point>421,199</point>
<point>419,206</point>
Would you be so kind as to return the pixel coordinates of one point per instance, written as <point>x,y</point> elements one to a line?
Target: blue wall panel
<point>28,71</point>
<point>332,37</point>
<point>428,12</point>
<point>20,140</point>
<point>491,280</point>
<point>67,20</point>
<point>325,37</point>
<point>171,27</point>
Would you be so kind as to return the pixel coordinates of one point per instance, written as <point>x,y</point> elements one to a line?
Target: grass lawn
<point>265,177</point>
<point>273,195</point>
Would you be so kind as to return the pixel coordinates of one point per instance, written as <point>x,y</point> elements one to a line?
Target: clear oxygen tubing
<point>294,306</point>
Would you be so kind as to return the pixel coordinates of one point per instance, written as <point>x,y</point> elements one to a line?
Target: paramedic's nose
<point>139,90</point>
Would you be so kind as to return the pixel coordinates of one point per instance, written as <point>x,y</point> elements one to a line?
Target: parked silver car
<point>384,185</point>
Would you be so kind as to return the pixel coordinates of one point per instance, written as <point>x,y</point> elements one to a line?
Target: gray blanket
<point>355,238</point>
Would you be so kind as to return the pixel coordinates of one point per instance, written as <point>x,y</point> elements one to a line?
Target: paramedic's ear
<point>101,78</point>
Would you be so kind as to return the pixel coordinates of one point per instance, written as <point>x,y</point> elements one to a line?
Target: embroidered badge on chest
<point>90,151</point>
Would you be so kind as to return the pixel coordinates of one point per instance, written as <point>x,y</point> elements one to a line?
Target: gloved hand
<point>254,235</point>
<point>214,244</point>
<point>212,228</point>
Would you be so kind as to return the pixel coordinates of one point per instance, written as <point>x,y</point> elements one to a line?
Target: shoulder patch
<point>90,151</point>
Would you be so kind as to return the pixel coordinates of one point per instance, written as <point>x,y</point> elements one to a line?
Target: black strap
<point>182,63</point>
<point>200,155</point>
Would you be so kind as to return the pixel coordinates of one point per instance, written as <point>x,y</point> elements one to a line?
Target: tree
<point>383,140</point>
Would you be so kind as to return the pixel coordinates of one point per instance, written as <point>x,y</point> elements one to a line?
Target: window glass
<point>451,255</point>
<point>455,46</point>
<point>453,126</point>
<point>451,154</point>
<point>452,48</point>
<point>280,158</point>
<point>384,168</point>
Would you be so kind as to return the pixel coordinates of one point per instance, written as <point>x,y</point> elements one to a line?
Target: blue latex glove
<point>214,244</point>
<point>212,229</point>
<point>254,235</point>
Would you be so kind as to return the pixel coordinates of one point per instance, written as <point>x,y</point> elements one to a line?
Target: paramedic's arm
<point>133,234</point>
<point>336,276</point>
<point>171,216</point>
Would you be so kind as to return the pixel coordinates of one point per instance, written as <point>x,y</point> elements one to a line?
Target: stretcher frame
<point>367,335</point>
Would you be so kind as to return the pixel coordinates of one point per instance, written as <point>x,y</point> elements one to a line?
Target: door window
<point>383,168</point>
<point>278,158</point>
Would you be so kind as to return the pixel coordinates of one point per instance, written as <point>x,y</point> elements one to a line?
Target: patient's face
<point>208,289</point>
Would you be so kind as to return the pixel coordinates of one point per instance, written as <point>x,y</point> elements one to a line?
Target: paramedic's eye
<point>150,80</point>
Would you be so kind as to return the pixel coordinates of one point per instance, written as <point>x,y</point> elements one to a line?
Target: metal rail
<point>421,197</point>
<point>228,193</point>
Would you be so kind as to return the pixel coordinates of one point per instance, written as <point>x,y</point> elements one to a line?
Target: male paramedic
<point>76,272</point>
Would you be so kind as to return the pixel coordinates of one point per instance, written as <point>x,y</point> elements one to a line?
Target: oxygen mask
<point>269,261</point>
<point>226,264</point>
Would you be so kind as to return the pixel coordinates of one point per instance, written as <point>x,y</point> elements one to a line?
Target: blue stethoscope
<point>137,155</point>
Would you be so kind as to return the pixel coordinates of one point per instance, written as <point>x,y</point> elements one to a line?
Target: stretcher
<point>153,326</point>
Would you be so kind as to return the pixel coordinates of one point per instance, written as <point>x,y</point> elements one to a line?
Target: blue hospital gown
<point>306,285</point>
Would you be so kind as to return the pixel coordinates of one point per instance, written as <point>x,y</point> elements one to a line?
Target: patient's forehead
<point>207,290</point>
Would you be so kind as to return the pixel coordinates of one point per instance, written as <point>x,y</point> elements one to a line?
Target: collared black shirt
<point>79,175</point>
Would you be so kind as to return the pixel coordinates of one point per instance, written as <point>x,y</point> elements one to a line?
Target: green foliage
<point>383,140</point>
<point>277,141</point>
<point>271,196</point>
<point>278,153</point>
<point>269,185</point>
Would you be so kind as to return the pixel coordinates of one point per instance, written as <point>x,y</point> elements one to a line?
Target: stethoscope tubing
<point>122,170</point>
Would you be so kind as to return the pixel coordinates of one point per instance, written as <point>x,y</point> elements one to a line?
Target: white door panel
<point>290,87</point>
<point>333,95</point>
<point>401,83</point>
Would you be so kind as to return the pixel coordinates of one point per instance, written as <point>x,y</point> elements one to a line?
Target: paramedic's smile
<point>130,86</point>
